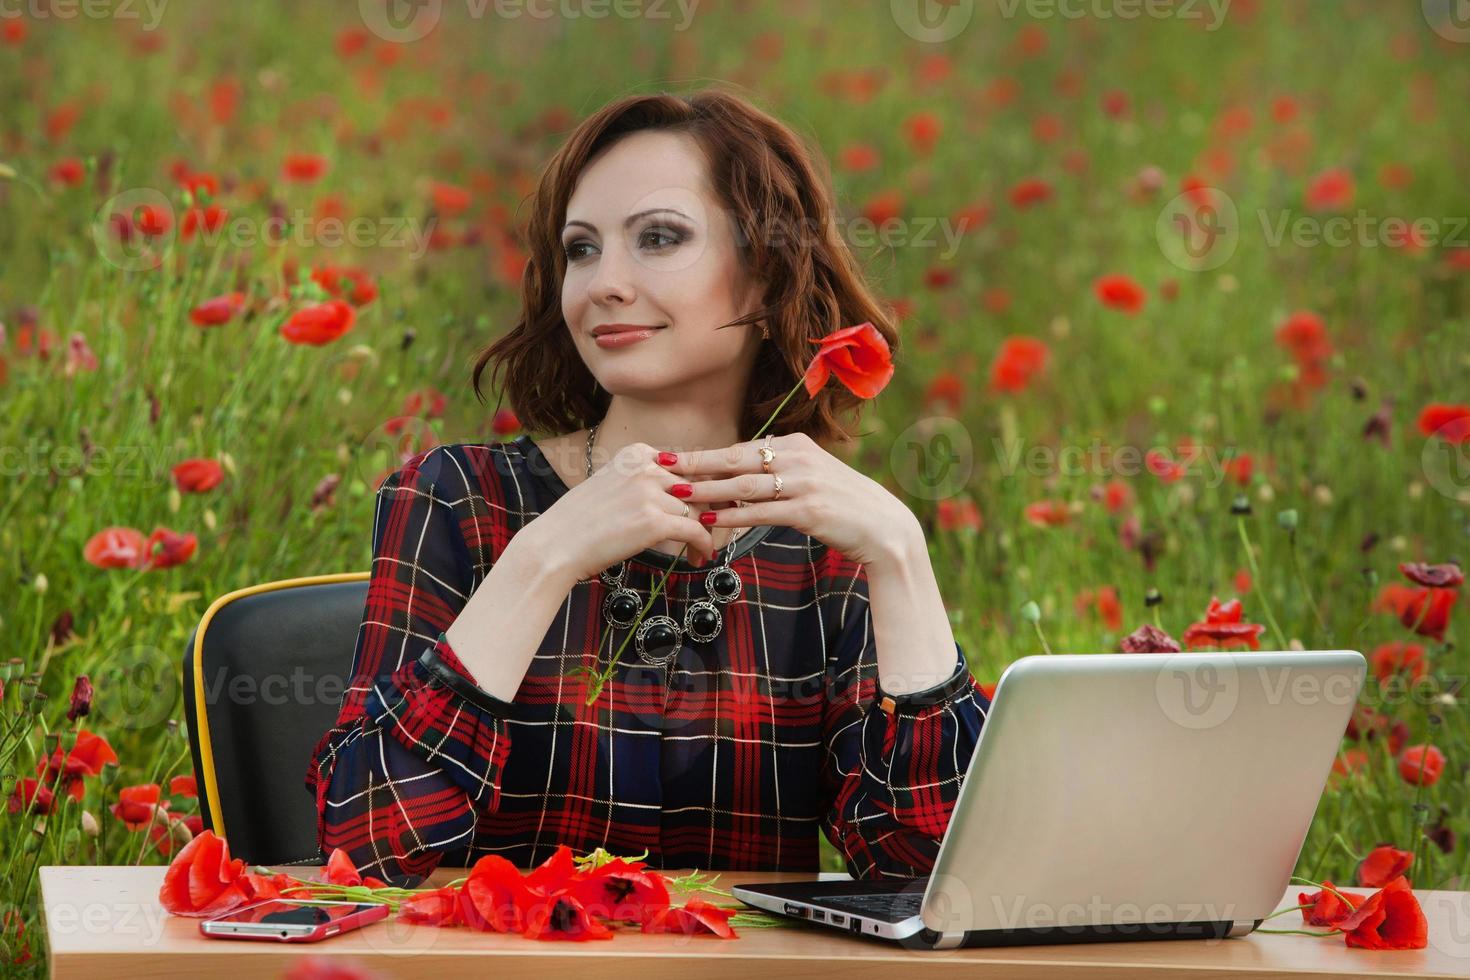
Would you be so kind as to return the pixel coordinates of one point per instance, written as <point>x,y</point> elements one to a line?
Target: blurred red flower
<point>1449,422</point>
<point>1398,657</point>
<point>1421,765</point>
<point>1222,627</point>
<point>220,309</point>
<point>1017,362</point>
<point>303,168</point>
<point>115,547</point>
<point>1330,190</point>
<point>198,475</point>
<point>1119,292</point>
<point>319,324</point>
<point>1383,864</point>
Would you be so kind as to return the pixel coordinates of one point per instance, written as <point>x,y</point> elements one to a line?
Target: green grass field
<point>1241,170</point>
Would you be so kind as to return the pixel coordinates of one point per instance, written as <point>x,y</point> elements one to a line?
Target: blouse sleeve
<point>418,747</point>
<point>894,764</point>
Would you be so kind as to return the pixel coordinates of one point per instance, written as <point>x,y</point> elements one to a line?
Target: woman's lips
<point>624,338</point>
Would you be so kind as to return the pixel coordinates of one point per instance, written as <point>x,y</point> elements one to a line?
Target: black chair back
<point>264,673</point>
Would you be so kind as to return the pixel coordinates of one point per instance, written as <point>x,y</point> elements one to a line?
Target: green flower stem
<point>1250,558</point>
<point>1301,578</point>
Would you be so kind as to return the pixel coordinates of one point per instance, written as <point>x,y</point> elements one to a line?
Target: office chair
<point>264,673</point>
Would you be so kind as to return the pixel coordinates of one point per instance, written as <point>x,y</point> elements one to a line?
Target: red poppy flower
<point>1119,293</point>
<point>1148,638</point>
<point>183,786</point>
<point>198,475</point>
<point>1331,190</point>
<point>210,218</point>
<point>68,173</point>
<point>549,908</point>
<point>1030,192</point>
<point>858,158</point>
<point>1382,865</point>
<point>221,309</point>
<point>1305,336</point>
<point>621,890</point>
<point>504,422</point>
<point>203,879</point>
<point>1449,422</point>
<point>1388,919</point>
<point>114,547</point>
<point>137,804</point>
<point>81,698</point>
<point>1048,513</point>
<point>1017,362</point>
<point>440,907</point>
<point>1446,575</point>
<point>1421,765</point>
<point>166,548</point>
<point>962,514</point>
<point>1163,467</point>
<point>1109,608</point>
<point>30,794</point>
<point>1425,611</point>
<point>1222,627</point>
<point>859,356</point>
<point>1398,657</point>
<point>304,167</point>
<point>86,758</point>
<point>449,199</point>
<point>319,324</point>
<point>1326,908</point>
<point>694,918</point>
<point>491,897</point>
<point>923,129</point>
<point>883,207</point>
<point>341,871</point>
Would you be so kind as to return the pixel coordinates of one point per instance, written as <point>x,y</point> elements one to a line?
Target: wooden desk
<point>106,922</point>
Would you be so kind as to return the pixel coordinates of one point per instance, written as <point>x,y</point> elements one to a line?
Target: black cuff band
<point>957,682</point>
<point>443,675</point>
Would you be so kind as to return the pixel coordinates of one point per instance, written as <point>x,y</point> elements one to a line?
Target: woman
<point>798,673</point>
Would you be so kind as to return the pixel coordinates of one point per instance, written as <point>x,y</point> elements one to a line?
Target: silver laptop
<point>1116,797</point>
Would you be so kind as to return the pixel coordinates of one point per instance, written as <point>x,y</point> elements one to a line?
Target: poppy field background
<point>1183,301</point>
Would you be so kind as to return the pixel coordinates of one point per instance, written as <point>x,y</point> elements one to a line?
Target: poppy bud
<point>1241,505</point>
<point>1287,520</point>
<point>1153,597</point>
<point>1031,612</point>
<point>81,698</point>
<point>90,826</point>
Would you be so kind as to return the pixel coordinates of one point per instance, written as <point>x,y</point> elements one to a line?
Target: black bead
<point>624,608</point>
<point>724,585</point>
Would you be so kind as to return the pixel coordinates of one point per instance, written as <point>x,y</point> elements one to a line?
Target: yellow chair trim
<point>201,713</point>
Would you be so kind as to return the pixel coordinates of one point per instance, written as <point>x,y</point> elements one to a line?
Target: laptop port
<point>857,925</point>
<point>818,915</point>
<point>795,910</point>
<point>839,920</point>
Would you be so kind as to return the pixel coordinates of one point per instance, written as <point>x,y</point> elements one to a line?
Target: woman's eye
<point>671,236</point>
<point>571,251</point>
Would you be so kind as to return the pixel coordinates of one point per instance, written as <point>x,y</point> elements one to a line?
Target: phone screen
<point>295,913</point>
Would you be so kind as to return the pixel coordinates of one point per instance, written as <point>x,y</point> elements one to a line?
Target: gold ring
<point>778,486</point>
<point>767,454</point>
<point>686,509</point>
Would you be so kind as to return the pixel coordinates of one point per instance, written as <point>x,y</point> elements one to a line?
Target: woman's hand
<point>621,509</point>
<point>820,495</point>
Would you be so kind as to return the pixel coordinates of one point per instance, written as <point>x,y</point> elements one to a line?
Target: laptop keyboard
<point>895,907</point>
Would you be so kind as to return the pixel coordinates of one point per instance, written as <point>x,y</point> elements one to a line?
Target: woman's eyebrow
<point>631,218</point>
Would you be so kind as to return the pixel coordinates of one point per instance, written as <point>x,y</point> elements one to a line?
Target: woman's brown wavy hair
<point>778,195</point>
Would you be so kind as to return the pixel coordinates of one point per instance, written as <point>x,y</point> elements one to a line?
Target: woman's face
<point>648,243</point>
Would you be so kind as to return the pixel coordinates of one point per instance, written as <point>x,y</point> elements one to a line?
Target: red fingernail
<point>682,490</point>
<point>667,459</point>
<point>708,518</point>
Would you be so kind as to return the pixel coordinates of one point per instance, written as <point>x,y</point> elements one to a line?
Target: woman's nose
<point>613,279</point>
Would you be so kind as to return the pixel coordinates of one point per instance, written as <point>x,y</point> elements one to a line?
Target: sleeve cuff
<point>942,692</point>
<point>444,670</point>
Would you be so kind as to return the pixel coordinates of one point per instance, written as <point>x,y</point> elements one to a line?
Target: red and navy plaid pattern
<point>729,758</point>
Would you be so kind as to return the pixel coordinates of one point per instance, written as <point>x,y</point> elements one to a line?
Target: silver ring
<point>686,509</point>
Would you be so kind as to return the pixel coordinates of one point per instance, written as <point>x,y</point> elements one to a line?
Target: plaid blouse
<point>730,757</point>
